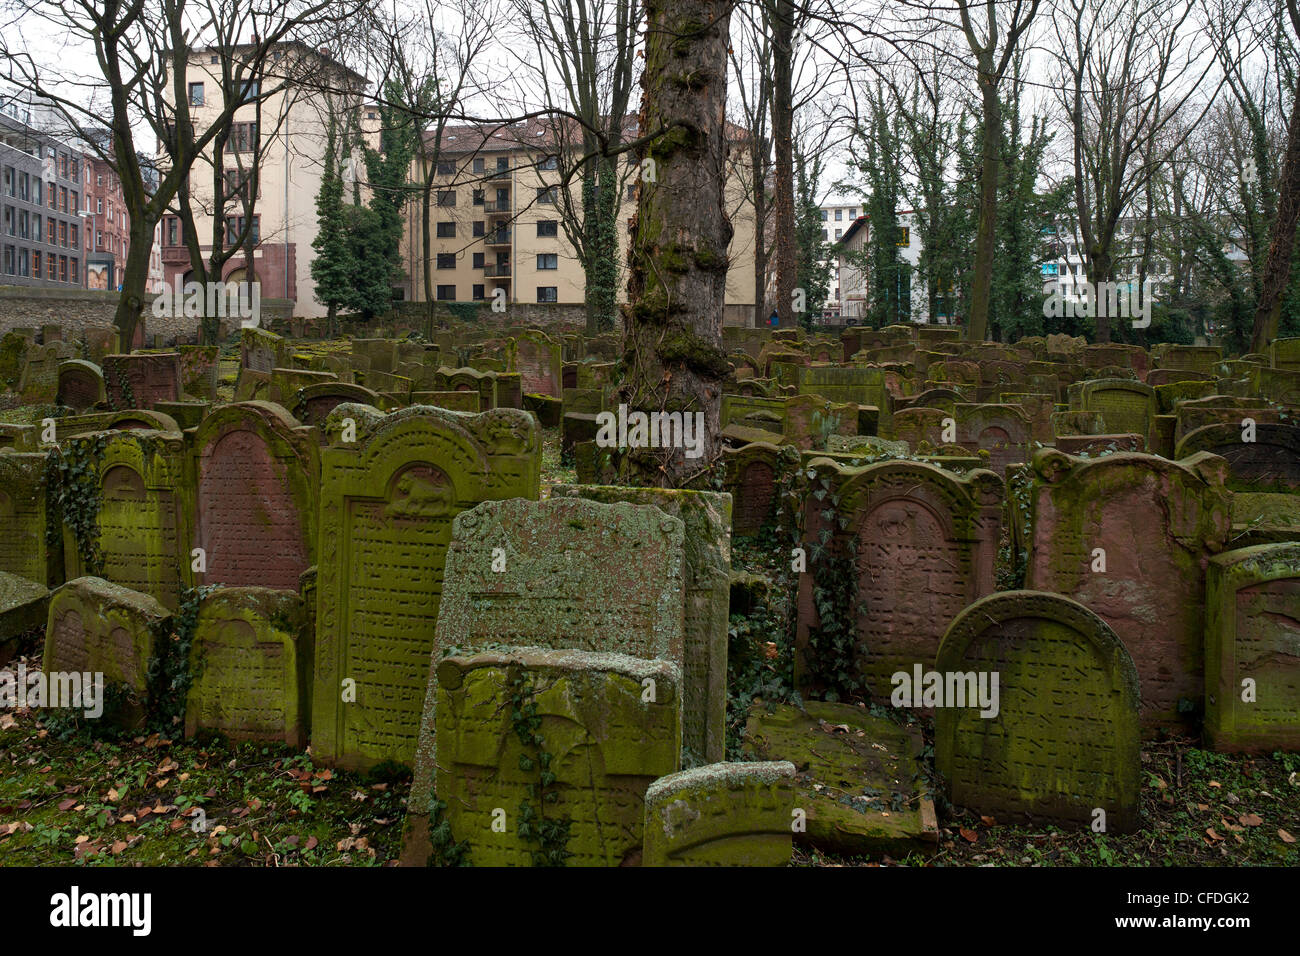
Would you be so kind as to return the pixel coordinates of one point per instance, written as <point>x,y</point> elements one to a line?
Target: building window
<point>76,202</point>
<point>549,162</point>
<point>446,293</point>
<point>824,215</point>
<point>99,207</point>
<point>51,236</point>
<point>479,228</point>
<point>36,228</point>
<point>503,164</point>
<point>173,231</point>
<point>63,268</point>
<point>479,165</point>
<point>546,194</point>
<point>73,271</point>
<point>251,91</point>
<point>547,260</point>
<point>631,192</point>
<point>235,181</point>
<point>63,233</point>
<point>446,260</point>
<point>196,94</point>
<point>9,221</point>
<point>72,235</point>
<point>63,198</point>
<point>23,262</point>
<point>825,237</point>
<point>838,232</point>
<point>36,263</point>
<point>9,260</point>
<point>477,293</point>
<point>904,236</point>
<point>445,168</point>
<point>38,197</point>
<point>446,230</point>
<point>839,215</point>
<point>213,60</point>
<point>478,260</point>
<point>235,226</point>
<point>243,137</point>
<point>478,197</point>
<point>548,293</point>
<point>447,197</point>
<point>54,197</point>
<point>548,227</point>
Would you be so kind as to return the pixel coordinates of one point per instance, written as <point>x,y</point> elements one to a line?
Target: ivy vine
<point>549,836</point>
<point>72,476</point>
<point>445,850</point>
<point>169,674</point>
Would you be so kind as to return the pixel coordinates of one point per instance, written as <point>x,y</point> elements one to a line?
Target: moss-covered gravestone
<point>571,739</point>
<point>24,605</point>
<point>1128,536</point>
<point>1064,742</point>
<point>566,573</point>
<point>707,591</point>
<point>27,548</point>
<point>139,380</point>
<point>313,403</point>
<point>1002,430</point>
<point>752,476</point>
<point>907,546</point>
<point>721,814</point>
<point>141,513</point>
<point>81,384</point>
<point>249,680</point>
<point>1252,649</point>
<point>1127,407</point>
<point>390,487</point>
<point>99,627</point>
<point>38,383</point>
<point>257,473</point>
<point>537,359</point>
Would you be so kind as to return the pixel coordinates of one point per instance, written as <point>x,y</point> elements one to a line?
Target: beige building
<point>290,127</point>
<point>497,230</point>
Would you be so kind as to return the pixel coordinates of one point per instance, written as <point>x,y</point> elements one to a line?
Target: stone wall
<point>75,309</point>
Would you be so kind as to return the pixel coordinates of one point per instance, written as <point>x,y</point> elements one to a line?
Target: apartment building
<point>41,199</point>
<point>848,303</point>
<point>106,225</point>
<point>497,222</point>
<point>288,129</point>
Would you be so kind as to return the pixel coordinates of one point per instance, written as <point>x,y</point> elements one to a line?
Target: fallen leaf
<point>988,821</point>
<point>67,804</point>
<point>1251,819</point>
<point>1286,837</point>
<point>968,835</point>
<point>1212,834</point>
<point>118,846</point>
<point>311,842</point>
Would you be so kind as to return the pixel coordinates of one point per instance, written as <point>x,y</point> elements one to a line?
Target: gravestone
<point>537,359</point>
<point>38,383</point>
<point>259,350</point>
<point>1268,462</point>
<point>200,371</point>
<point>314,402</point>
<point>99,627</point>
<point>1252,649</point>
<point>1127,407</point>
<point>921,544</point>
<point>388,498</point>
<point>24,605</point>
<point>1156,522</point>
<point>1001,430</point>
<point>707,590</point>
<point>137,381</point>
<point>752,475</point>
<point>257,472</point>
<point>142,521</point>
<point>721,814</point>
<point>81,384</point>
<point>27,508</point>
<point>1065,740</point>
<point>249,682</point>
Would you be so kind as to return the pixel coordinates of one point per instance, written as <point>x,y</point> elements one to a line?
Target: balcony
<point>498,177</point>
<point>497,208</point>
<point>497,238</point>
<point>496,272</point>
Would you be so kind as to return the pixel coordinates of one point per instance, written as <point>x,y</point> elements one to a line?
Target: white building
<point>848,302</point>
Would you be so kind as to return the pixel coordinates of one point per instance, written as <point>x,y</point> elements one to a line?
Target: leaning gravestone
<point>1128,536</point>
<point>707,590</point>
<point>563,574</point>
<point>81,384</point>
<point>721,814</point>
<point>1064,742</point>
<point>137,381</point>
<point>24,605</point>
<point>1252,649</point>
<point>99,627</point>
<point>248,676</point>
<point>258,474</point>
<point>922,545</point>
<point>1261,458</point>
<point>390,487</point>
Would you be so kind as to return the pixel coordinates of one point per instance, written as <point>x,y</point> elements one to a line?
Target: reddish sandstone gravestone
<point>138,381</point>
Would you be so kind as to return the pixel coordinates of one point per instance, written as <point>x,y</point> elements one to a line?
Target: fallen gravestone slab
<point>24,605</point>
<point>859,777</point>
<point>721,814</point>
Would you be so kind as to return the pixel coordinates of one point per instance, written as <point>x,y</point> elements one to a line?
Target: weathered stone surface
<point>721,814</point>
<point>922,544</point>
<point>249,681</point>
<point>1094,445</point>
<point>1001,430</point>
<point>1157,522</point>
<point>607,743</point>
<point>706,517</point>
<point>96,626</point>
<point>257,473</point>
<point>1127,407</point>
<point>313,403</point>
<point>38,383</point>
<point>537,359</point>
<point>810,421</point>
<point>1252,649</point>
<point>1065,739</point>
<point>387,503</point>
<point>860,777</point>
<point>25,547</point>
<point>261,351</point>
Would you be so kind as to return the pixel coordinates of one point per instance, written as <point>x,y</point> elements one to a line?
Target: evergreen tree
<point>812,274</point>
<point>388,170</point>
<point>332,268</point>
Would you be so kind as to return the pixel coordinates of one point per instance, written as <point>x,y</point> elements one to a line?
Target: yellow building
<point>496,222</point>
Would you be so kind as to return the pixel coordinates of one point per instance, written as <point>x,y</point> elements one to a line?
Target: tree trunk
<point>135,276</point>
<point>1277,268</point>
<point>673,355</point>
<point>977,324</point>
<point>783,139</point>
<point>758,166</point>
